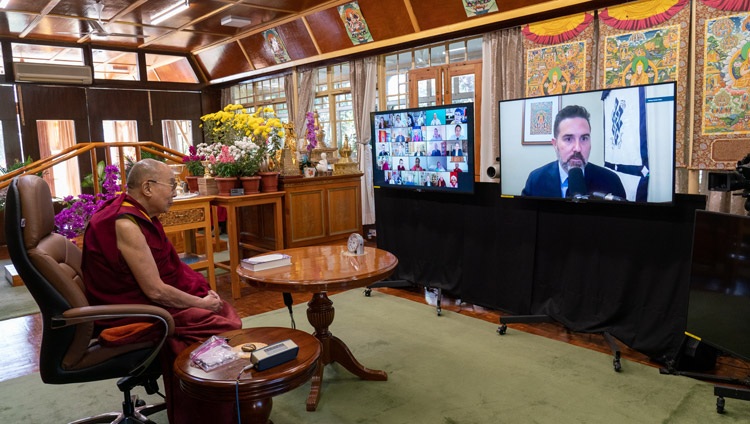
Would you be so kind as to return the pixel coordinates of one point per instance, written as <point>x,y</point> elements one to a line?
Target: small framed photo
<point>539,119</point>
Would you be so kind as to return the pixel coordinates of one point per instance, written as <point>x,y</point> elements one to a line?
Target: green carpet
<point>446,370</point>
<point>15,301</point>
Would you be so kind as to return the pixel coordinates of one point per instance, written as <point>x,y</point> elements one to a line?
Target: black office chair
<point>72,351</point>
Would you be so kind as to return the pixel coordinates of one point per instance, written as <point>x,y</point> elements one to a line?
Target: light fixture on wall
<point>170,11</point>
<point>235,21</point>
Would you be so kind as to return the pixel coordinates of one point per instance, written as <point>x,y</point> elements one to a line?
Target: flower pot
<point>192,182</point>
<point>251,185</point>
<point>269,181</point>
<point>309,172</point>
<point>225,185</point>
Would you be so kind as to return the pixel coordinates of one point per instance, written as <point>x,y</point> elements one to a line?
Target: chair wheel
<point>139,403</point>
<point>720,405</point>
<point>617,365</point>
<point>368,292</point>
<point>502,329</point>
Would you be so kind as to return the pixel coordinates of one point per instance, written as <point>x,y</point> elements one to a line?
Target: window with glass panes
<point>266,92</point>
<point>333,102</point>
<point>397,65</point>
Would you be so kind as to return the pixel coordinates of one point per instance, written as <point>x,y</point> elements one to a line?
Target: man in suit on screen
<point>572,143</point>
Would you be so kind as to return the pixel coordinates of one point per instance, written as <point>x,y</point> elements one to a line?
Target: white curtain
<point>501,63</point>
<point>306,98</point>
<point>55,137</point>
<point>364,76</point>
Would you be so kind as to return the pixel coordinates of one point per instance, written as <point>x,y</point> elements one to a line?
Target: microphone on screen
<point>576,183</point>
<point>608,196</point>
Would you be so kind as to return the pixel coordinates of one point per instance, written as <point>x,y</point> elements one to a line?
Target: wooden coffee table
<point>317,270</point>
<point>256,388</point>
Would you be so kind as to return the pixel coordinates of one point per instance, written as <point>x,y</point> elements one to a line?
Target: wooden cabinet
<point>321,209</point>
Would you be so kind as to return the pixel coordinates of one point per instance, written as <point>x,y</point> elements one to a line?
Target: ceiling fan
<point>99,26</point>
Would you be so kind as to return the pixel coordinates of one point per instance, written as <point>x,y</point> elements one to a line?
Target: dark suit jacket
<point>545,181</point>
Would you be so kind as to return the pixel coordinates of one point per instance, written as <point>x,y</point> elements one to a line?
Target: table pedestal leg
<point>256,412</point>
<point>320,313</point>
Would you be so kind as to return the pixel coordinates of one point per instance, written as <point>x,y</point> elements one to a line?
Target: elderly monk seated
<point>127,258</point>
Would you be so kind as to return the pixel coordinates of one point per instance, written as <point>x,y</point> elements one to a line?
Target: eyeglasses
<point>172,184</point>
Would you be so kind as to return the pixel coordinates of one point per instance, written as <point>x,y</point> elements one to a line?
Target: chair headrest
<point>36,208</point>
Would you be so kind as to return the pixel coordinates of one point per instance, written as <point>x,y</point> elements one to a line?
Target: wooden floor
<point>22,336</point>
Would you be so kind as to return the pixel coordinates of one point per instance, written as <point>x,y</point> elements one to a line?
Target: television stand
<point>405,284</point>
<point>720,392</point>
<point>530,319</point>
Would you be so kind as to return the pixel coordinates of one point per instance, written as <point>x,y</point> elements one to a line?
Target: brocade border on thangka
<point>571,63</point>
<point>722,89</point>
<point>665,48</point>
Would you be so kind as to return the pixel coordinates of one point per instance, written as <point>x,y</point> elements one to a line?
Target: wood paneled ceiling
<point>311,30</point>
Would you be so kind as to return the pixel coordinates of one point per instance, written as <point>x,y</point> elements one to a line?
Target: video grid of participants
<point>422,148</point>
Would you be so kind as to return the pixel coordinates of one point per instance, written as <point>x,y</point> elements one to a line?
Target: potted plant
<point>249,165</point>
<point>227,169</point>
<point>193,162</point>
<point>71,221</point>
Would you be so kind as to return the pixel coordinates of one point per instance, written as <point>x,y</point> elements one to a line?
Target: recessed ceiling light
<point>170,11</point>
<point>235,21</point>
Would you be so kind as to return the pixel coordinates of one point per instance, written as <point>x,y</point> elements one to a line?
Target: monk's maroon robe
<point>108,280</point>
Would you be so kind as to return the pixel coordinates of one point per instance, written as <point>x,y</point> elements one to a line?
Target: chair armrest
<point>83,314</point>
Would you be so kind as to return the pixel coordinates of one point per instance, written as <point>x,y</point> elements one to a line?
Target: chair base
<point>138,414</point>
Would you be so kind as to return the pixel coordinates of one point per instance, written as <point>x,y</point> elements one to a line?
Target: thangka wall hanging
<point>355,23</point>
<point>644,43</point>
<point>276,45</point>
<point>479,7</point>
<point>722,86</point>
<point>558,55</point>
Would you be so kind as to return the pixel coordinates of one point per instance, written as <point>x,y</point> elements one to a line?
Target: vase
<point>192,182</point>
<point>251,185</point>
<point>269,181</point>
<point>309,172</point>
<point>226,184</point>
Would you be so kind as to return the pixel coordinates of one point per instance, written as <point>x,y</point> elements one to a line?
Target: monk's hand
<point>213,302</point>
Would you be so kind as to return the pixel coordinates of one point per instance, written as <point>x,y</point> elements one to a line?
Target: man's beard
<point>578,159</point>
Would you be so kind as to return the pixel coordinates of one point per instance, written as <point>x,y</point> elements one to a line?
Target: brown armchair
<point>71,352</point>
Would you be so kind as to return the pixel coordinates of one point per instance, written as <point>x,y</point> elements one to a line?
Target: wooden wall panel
<point>52,102</point>
<point>297,39</point>
<point>176,105</point>
<point>259,53</point>
<point>436,13</point>
<point>223,61</point>
<point>386,18</point>
<point>118,105</point>
<point>11,139</point>
<point>329,31</point>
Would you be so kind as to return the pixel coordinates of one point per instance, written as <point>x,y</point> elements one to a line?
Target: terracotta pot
<point>251,185</point>
<point>192,182</point>
<point>269,181</point>
<point>225,185</point>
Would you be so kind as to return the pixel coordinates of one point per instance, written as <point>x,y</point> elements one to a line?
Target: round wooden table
<point>317,270</point>
<point>256,388</point>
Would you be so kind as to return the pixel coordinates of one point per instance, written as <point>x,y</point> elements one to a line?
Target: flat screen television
<point>719,303</point>
<point>424,149</point>
<point>626,152</point>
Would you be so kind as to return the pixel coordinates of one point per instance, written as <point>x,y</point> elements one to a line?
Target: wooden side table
<point>232,203</point>
<point>255,388</point>
<point>317,270</point>
<point>187,215</point>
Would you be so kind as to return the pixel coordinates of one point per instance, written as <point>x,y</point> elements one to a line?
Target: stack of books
<point>259,263</point>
